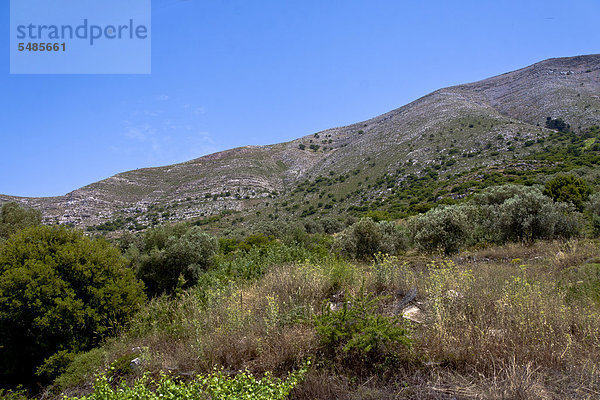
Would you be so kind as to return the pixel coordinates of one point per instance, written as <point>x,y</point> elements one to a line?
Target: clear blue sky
<point>229,73</point>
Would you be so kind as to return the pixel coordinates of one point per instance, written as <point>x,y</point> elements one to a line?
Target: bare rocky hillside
<point>476,124</point>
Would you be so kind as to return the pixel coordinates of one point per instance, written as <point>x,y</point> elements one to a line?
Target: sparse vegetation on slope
<point>445,249</point>
<point>403,162</point>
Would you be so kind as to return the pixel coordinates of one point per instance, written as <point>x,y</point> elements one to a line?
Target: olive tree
<point>524,213</point>
<point>174,256</point>
<point>14,217</point>
<point>366,237</point>
<point>442,228</point>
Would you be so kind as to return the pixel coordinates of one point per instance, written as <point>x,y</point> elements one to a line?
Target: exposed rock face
<point>466,117</point>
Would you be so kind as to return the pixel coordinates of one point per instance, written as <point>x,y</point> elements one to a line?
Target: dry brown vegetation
<point>511,322</point>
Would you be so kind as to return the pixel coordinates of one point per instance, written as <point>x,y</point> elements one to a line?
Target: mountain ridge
<point>466,118</point>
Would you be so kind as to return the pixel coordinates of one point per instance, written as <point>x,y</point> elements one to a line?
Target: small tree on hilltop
<point>557,124</point>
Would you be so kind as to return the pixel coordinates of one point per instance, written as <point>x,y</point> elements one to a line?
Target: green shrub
<point>596,224</point>
<point>174,256</point>
<point>568,189</point>
<point>13,218</point>
<point>361,240</point>
<point>593,206</point>
<point>523,213</point>
<point>368,237</point>
<point>257,261</point>
<point>365,238</point>
<point>443,228</point>
<point>256,240</point>
<point>497,195</point>
<point>18,394</point>
<point>82,368</point>
<point>497,214</point>
<point>378,215</point>
<point>331,225</point>
<point>227,245</point>
<point>531,215</point>
<point>357,333</point>
<point>312,226</point>
<point>566,221</point>
<point>55,365</point>
<point>394,238</point>
<point>59,291</point>
<point>215,386</point>
<point>557,124</point>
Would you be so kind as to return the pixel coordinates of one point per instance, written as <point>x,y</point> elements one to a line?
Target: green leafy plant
<point>593,208</point>
<point>568,189</point>
<point>60,291</point>
<point>557,124</point>
<point>444,228</point>
<point>523,213</point>
<point>530,216</point>
<point>173,257</point>
<point>214,386</point>
<point>18,394</point>
<point>366,237</point>
<point>13,218</point>
<point>357,332</point>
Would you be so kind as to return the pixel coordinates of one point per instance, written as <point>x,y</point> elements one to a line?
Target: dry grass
<point>498,325</point>
<point>557,254</point>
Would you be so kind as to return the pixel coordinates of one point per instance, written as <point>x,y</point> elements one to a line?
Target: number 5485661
<point>42,47</point>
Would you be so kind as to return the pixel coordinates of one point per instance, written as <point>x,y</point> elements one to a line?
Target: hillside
<point>477,275</point>
<point>490,125</point>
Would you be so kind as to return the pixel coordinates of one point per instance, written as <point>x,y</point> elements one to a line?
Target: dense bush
<point>529,215</point>
<point>13,218</point>
<point>524,213</point>
<point>357,333</point>
<point>60,292</point>
<point>312,226</point>
<point>366,237</point>
<point>498,214</point>
<point>174,256</point>
<point>394,238</point>
<point>593,205</point>
<point>557,124</point>
<point>443,228</point>
<point>568,189</point>
<point>363,238</point>
<point>256,240</point>
<point>289,233</point>
<point>497,195</point>
<point>331,225</point>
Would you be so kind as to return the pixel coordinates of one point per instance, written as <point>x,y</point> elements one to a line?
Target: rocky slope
<point>477,124</point>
